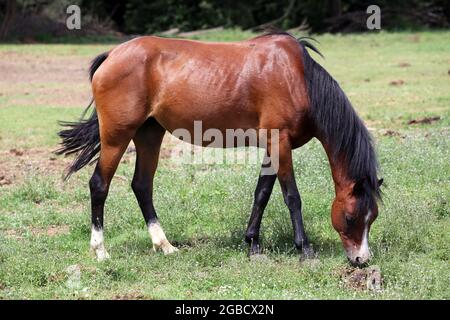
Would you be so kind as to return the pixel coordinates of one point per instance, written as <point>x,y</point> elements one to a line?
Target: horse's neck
<point>339,170</point>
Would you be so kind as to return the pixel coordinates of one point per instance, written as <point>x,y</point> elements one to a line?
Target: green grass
<point>204,209</point>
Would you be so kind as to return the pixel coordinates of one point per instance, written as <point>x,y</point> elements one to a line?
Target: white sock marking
<point>97,244</point>
<point>159,239</point>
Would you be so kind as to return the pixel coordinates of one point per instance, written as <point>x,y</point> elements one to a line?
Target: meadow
<point>398,82</point>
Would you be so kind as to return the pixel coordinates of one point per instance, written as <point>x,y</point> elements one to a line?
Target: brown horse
<point>150,85</point>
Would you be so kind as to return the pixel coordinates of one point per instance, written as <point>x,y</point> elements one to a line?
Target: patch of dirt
<point>367,279</point>
<point>16,165</point>
<point>51,231</point>
<point>393,133</point>
<point>13,234</point>
<point>426,120</point>
<point>16,152</point>
<point>404,65</point>
<point>132,295</point>
<point>4,181</point>
<point>38,67</point>
<point>397,83</point>
<point>57,277</point>
<point>414,38</point>
<point>42,80</point>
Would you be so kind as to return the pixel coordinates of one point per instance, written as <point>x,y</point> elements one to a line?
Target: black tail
<point>83,136</point>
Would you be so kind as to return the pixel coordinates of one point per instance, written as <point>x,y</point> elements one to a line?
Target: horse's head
<point>354,210</point>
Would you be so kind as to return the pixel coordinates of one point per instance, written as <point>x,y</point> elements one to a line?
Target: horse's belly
<point>210,124</point>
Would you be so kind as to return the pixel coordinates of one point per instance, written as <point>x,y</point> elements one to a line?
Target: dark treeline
<point>143,17</point>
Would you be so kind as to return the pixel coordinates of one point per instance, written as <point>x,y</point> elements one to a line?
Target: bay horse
<point>150,85</point>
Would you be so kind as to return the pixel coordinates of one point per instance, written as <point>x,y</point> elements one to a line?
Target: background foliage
<point>27,17</point>
<point>153,16</point>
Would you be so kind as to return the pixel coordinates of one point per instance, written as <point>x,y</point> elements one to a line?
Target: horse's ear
<point>358,188</point>
<point>380,182</point>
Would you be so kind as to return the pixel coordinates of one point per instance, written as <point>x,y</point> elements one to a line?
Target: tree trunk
<point>10,12</point>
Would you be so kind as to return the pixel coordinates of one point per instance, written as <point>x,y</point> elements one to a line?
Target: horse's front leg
<point>262,195</point>
<point>292,197</point>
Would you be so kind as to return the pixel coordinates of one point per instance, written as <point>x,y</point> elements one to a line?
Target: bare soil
<point>44,80</point>
<point>50,231</point>
<point>369,278</point>
<point>16,165</point>
<point>426,120</point>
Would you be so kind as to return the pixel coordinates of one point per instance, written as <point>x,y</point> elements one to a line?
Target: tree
<point>8,16</point>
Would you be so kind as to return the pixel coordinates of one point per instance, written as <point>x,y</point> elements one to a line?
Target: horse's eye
<point>350,219</point>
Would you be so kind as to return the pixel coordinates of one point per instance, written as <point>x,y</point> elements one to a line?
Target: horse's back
<point>247,84</point>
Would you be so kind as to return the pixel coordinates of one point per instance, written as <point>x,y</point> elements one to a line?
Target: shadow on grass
<point>281,244</point>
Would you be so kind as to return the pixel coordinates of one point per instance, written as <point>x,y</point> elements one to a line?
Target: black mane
<point>338,125</point>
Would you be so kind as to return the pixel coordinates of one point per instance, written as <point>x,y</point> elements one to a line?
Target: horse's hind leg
<point>148,140</point>
<point>262,195</point>
<point>118,126</point>
<point>110,155</point>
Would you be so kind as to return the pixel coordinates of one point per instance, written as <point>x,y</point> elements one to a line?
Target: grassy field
<point>391,78</point>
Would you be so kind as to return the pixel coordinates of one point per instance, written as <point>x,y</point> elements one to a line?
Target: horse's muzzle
<point>359,258</point>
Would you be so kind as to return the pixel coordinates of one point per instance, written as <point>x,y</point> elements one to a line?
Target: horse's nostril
<point>358,259</point>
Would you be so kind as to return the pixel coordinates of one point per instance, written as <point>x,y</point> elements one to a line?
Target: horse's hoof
<point>101,254</point>
<point>166,248</point>
<point>169,249</point>
<point>256,250</point>
<point>308,253</point>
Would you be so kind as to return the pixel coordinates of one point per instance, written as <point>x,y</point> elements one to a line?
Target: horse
<point>149,85</point>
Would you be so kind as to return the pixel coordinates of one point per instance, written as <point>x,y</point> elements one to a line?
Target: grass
<point>204,209</point>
